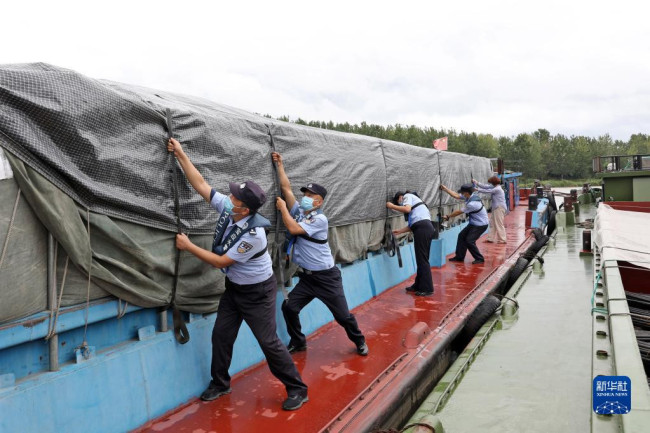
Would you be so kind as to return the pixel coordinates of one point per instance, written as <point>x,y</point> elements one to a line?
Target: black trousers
<point>254,303</point>
<point>328,287</point>
<point>467,241</point>
<point>423,234</point>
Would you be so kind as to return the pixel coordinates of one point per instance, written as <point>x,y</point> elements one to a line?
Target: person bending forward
<point>478,223</point>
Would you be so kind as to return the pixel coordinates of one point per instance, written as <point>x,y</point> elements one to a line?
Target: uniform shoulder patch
<point>244,247</point>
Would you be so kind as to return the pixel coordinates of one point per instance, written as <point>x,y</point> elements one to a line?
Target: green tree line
<point>538,154</point>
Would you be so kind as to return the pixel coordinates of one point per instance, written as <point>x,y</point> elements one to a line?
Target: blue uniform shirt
<point>419,213</point>
<point>310,255</point>
<point>245,270</point>
<point>473,204</point>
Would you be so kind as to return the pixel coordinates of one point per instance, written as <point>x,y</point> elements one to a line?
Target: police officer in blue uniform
<point>419,222</point>
<point>239,249</point>
<point>478,223</point>
<point>319,277</point>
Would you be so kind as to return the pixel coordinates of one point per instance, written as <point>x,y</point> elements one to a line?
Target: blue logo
<point>612,395</point>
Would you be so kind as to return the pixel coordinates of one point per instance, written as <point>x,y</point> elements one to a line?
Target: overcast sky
<point>500,67</point>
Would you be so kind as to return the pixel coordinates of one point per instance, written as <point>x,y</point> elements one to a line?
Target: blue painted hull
<point>130,382</point>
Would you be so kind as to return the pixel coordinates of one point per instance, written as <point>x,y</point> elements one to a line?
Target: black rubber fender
<point>539,243</point>
<point>476,319</point>
<point>551,225</point>
<point>551,201</point>
<point>517,270</point>
<point>538,233</point>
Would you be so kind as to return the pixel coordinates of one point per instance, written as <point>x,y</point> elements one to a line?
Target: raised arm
<point>454,194</point>
<point>484,188</point>
<point>284,180</point>
<point>191,173</point>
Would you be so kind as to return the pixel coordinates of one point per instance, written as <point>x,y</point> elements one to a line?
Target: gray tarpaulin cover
<point>83,147</point>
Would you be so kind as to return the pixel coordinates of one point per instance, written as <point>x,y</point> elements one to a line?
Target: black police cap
<point>315,188</point>
<point>250,193</point>
<point>467,187</point>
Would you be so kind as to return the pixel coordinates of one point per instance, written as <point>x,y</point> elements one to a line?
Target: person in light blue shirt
<point>319,278</point>
<point>478,223</point>
<point>239,249</point>
<point>419,222</point>
<point>499,208</point>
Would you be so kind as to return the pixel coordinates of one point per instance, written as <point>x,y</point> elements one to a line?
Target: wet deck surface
<point>526,379</point>
<point>335,374</point>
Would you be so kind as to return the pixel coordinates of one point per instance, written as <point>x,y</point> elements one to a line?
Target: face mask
<point>229,206</point>
<point>307,203</point>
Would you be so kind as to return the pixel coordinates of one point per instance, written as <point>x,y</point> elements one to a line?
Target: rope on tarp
<point>121,311</point>
<point>181,333</point>
<point>11,225</point>
<point>83,347</point>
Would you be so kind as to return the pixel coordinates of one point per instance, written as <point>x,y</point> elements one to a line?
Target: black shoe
<point>423,293</point>
<point>292,348</point>
<point>362,349</point>
<point>478,262</point>
<point>213,392</point>
<point>294,402</point>
<point>411,289</point>
<point>456,259</point>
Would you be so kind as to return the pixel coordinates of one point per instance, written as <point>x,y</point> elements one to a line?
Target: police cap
<point>250,193</point>
<point>315,188</point>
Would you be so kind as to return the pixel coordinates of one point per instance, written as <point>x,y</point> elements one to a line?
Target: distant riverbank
<point>564,183</point>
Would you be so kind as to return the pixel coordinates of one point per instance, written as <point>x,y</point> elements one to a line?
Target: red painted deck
<point>335,374</point>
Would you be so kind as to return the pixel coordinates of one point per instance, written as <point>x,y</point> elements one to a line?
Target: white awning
<point>624,235</point>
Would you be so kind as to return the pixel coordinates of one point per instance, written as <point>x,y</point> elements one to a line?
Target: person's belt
<point>308,272</point>
<point>236,286</point>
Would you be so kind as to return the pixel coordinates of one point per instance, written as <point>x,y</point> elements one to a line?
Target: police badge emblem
<point>244,247</point>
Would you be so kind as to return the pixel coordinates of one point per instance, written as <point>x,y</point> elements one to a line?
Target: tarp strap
<point>390,243</point>
<point>278,220</point>
<point>181,333</point>
<point>439,195</point>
